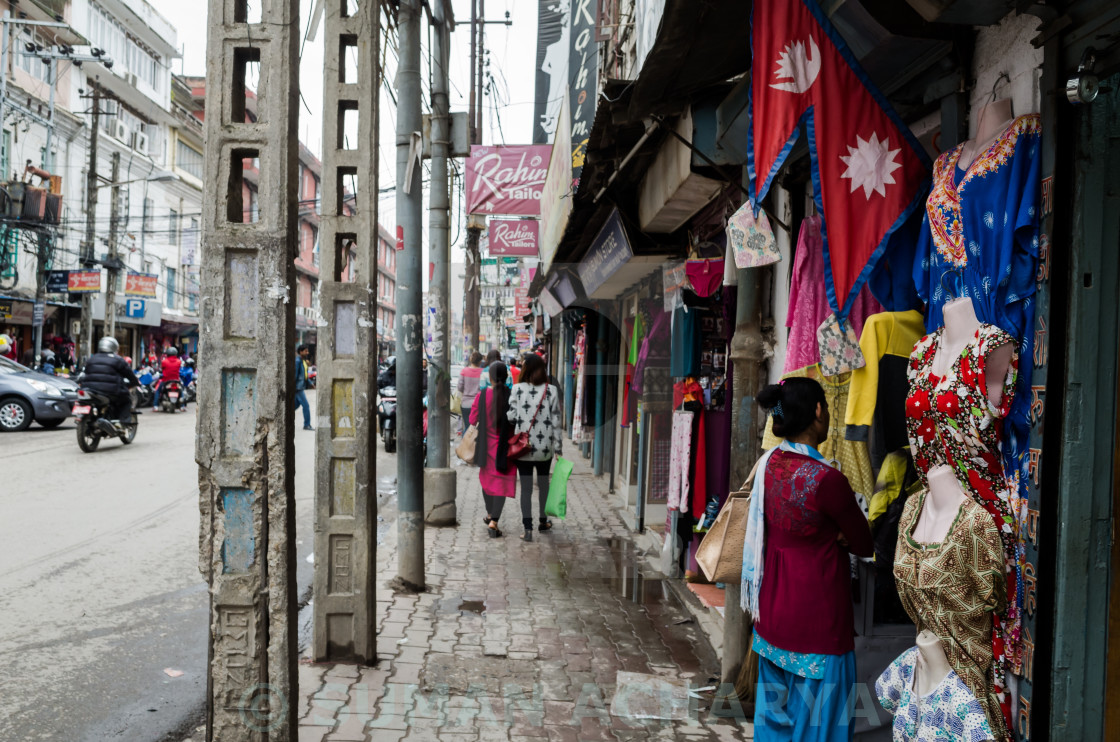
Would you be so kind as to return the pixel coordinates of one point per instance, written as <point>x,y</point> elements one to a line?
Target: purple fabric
<point>654,345</point>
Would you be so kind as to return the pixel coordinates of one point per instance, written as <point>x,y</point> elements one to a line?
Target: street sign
<point>37,313</point>
<point>58,282</point>
<point>84,282</point>
<point>141,284</point>
<point>134,308</point>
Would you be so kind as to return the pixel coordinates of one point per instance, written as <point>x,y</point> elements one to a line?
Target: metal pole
<point>439,249</point>
<point>91,218</point>
<point>410,318</point>
<point>747,356</point>
<point>45,245</point>
<point>111,284</point>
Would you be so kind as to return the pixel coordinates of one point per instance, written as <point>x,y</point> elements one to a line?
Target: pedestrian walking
<point>491,358</point>
<point>303,352</point>
<point>470,380</point>
<point>534,408</point>
<point>803,522</point>
<point>490,414</point>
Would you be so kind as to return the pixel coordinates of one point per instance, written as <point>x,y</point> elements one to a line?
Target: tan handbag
<point>465,449</point>
<point>720,554</point>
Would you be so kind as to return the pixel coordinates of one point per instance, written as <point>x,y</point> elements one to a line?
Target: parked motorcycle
<point>387,418</point>
<point>145,393</point>
<point>93,412</point>
<point>190,388</point>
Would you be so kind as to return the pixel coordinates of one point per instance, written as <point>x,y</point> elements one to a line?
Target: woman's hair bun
<point>770,396</point>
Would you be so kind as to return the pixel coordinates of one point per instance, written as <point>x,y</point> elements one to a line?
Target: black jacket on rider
<point>109,374</point>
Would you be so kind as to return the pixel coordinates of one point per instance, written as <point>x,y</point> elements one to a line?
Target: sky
<point>508,112</point>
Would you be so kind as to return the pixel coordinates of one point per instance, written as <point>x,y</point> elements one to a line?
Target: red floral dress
<point>951,421</point>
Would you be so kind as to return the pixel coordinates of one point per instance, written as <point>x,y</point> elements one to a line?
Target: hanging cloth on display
<point>679,456</point>
<point>808,299</point>
<point>750,240</point>
<point>685,358</point>
<point>876,410</point>
<point>852,458</point>
<point>654,348</point>
<point>953,589</point>
<point>673,281</point>
<point>578,435</point>
<point>705,276</point>
<point>948,713</point>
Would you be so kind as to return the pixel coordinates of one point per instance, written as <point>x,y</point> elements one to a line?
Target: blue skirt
<point>790,708</point>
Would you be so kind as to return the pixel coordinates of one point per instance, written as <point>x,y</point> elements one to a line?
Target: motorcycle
<point>145,393</point>
<point>387,418</point>
<point>190,388</point>
<point>93,411</point>
<point>171,395</point>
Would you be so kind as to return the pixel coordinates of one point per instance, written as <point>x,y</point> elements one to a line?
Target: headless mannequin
<point>991,122</point>
<point>932,665</point>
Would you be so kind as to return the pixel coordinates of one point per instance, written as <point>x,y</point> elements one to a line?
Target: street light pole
<point>91,217</point>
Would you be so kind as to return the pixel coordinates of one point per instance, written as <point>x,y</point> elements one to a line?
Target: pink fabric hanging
<point>808,299</point>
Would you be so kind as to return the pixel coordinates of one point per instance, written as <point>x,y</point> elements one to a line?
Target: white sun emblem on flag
<point>871,165</point>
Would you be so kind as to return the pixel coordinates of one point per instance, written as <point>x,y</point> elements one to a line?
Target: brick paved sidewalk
<point>521,641</point>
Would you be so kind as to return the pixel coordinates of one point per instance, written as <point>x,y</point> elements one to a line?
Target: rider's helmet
<point>48,356</point>
<point>107,345</point>
<point>172,351</point>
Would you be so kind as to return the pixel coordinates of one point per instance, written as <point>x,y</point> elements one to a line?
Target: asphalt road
<point>99,584</point>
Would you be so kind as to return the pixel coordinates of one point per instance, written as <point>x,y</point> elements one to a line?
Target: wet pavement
<point>526,641</point>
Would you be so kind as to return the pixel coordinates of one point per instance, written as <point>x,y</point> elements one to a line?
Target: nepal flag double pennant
<point>869,172</point>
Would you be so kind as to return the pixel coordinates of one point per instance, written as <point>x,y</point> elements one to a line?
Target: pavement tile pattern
<point>521,641</point>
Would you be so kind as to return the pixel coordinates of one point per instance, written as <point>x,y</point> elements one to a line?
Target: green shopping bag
<point>557,503</point>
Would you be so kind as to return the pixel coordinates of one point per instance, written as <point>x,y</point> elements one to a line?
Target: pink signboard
<point>507,179</point>
<point>514,237</point>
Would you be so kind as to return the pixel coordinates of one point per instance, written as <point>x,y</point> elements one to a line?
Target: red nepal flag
<point>869,173</point>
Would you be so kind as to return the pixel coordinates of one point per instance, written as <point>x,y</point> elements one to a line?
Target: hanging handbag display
<point>720,554</point>
<point>519,442</point>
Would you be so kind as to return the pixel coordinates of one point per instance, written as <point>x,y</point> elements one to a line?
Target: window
<point>171,288</point>
<point>188,159</point>
<point>173,227</point>
<point>315,246</point>
<point>125,50</point>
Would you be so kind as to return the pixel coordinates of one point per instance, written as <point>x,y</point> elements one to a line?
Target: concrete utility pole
<point>473,274</point>
<point>245,448</point>
<point>111,281</point>
<point>747,356</point>
<point>439,479</point>
<point>46,242</point>
<point>87,259</point>
<point>345,583</point>
<point>410,317</point>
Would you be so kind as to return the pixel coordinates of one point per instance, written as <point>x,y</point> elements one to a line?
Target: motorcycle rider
<point>107,373</point>
<point>171,367</point>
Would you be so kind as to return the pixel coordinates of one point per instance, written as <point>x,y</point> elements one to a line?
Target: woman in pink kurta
<point>497,475</point>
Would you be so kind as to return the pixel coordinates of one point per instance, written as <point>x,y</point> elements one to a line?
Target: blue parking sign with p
<point>134,308</point>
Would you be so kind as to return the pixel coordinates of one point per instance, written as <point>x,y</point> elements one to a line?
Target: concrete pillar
<point>245,448</point>
<point>439,478</point>
<point>346,437</point>
<point>410,317</point>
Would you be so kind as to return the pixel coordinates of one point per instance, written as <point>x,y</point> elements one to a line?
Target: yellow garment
<point>892,478</point>
<point>853,457</point>
<point>886,333</point>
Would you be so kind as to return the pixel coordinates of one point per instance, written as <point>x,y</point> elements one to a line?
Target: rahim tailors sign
<point>514,237</point>
<point>507,179</point>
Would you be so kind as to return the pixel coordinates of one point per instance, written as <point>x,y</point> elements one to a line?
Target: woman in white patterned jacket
<point>534,407</point>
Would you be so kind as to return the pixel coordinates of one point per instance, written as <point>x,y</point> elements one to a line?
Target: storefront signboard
<point>583,66</point>
<point>5,309</point>
<point>148,313</point>
<point>82,282</point>
<point>609,251</point>
<point>556,196</point>
<point>506,179</point>
<point>58,282</point>
<point>37,314</point>
<point>522,304</point>
<point>552,67</point>
<point>514,237</point>
<point>141,284</point>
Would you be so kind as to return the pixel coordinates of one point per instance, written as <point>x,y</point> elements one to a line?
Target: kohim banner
<point>514,237</point>
<point>83,282</point>
<point>507,179</point>
<point>141,284</point>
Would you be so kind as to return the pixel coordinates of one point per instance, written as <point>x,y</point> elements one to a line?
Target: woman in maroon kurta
<point>804,627</point>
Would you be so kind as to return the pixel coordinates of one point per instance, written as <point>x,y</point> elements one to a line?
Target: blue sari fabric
<point>979,239</point>
<point>792,708</point>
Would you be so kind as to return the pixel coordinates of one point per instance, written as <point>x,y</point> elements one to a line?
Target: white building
<point>149,120</point>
